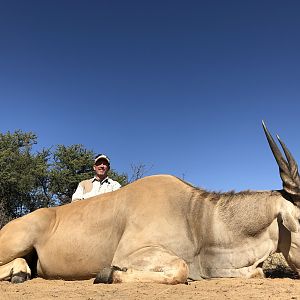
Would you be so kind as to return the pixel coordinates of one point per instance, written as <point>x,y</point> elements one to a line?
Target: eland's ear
<point>290,222</point>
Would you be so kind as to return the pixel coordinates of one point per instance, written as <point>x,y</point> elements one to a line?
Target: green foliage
<point>71,165</point>
<point>21,173</point>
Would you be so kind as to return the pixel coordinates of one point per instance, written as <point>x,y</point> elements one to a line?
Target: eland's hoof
<point>106,274</point>
<point>19,277</point>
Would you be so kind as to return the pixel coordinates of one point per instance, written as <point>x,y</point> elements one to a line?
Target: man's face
<point>101,168</point>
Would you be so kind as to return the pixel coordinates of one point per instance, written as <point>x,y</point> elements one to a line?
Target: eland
<point>158,229</point>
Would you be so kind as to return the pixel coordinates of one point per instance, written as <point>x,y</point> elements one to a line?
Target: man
<point>100,184</point>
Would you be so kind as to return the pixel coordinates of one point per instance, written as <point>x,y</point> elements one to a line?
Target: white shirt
<point>98,187</point>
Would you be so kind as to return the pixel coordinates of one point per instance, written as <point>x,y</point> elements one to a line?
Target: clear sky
<point>181,86</point>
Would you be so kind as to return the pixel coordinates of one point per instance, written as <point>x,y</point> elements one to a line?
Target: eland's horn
<point>288,168</point>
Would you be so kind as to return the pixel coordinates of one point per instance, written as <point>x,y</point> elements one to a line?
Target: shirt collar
<point>104,180</point>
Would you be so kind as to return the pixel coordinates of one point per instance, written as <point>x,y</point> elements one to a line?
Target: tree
<point>71,164</point>
<point>21,172</point>
<point>138,171</point>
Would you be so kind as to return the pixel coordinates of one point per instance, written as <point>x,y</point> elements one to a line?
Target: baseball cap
<point>101,156</point>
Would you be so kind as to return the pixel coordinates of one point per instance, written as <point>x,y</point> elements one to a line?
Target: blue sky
<point>181,86</point>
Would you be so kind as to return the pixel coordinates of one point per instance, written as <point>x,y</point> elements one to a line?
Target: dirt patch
<point>206,289</point>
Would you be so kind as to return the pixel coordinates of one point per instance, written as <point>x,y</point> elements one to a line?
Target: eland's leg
<point>16,271</point>
<point>156,266</point>
<point>15,243</point>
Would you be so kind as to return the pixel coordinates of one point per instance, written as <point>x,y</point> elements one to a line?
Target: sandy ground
<point>206,289</point>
